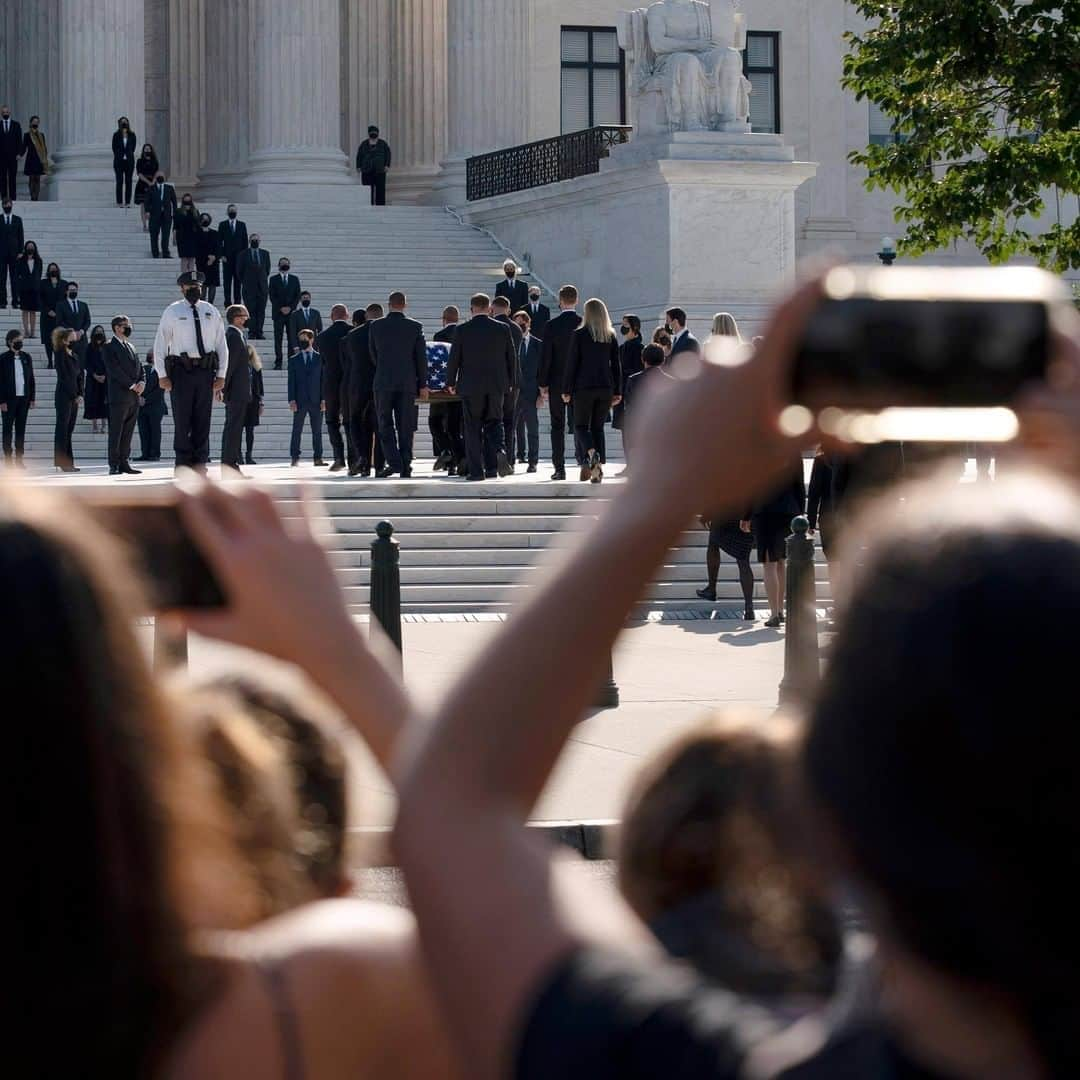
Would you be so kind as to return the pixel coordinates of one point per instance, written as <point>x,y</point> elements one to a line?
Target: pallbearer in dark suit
<point>552,372</point>
<point>253,272</point>
<point>17,393</point>
<point>67,397</point>
<point>12,243</point>
<point>527,420</point>
<point>445,417</point>
<point>160,205</point>
<point>123,160</point>
<point>482,366</point>
<point>515,290</point>
<point>152,409</point>
<point>11,147</point>
<point>255,406</point>
<point>125,383</point>
<point>305,397</point>
<point>73,314</point>
<point>284,297</point>
<point>305,317</point>
<point>360,391</point>
<point>500,311</point>
<point>236,393</point>
<point>539,314</point>
<point>234,241</point>
<point>330,344</point>
<point>399,354</point>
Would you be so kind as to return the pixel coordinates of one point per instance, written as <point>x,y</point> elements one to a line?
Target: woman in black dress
<point>208,256</point>
<point>594,382</point>
<point>36,159</point>
<point>28,268</point>
<point>146,168</point>
<point>185,228</point>
<point>255,406</point>
<point>771,522</point>
<point>732,538</point>
<point>68,397</point>
<point>53,290</point>
<point>96,404</point>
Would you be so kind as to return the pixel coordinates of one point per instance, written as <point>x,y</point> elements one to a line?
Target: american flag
<point>438,359</point>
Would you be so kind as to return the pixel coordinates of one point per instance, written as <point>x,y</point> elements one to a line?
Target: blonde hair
<point>253,359</point>
<point>59,335</point>
<point>724,325</point>
<point>598,321</point>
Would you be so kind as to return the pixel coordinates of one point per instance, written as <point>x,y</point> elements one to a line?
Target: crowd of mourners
<point>875,885</point>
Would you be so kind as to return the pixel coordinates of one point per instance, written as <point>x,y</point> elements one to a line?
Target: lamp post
<point>887,254</point>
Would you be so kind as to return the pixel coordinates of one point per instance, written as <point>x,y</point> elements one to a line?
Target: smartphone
<point>174,571</point>
<point>922,337</point>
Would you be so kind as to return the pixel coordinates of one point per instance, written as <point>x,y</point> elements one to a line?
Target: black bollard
<point>170,649</point>
<point>385,600</point>
<point>801,665</point>
<point>607,694</point>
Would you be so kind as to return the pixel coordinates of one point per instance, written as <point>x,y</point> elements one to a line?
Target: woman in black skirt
<point>733,539</point>
<point>208,256</point>
<point>36,161</point>
<point>53,290</point>
<point>255,406</point>
<point>771,522</point>
<point>146,168</point>
<point>28,267</point>
<point>96,398</point>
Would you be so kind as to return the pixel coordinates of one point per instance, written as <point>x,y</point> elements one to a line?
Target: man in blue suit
<point>526,420</point>
<point>305,396</point>
<point>681,338</point>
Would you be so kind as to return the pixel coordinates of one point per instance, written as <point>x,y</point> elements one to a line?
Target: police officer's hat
<point>191,277</point>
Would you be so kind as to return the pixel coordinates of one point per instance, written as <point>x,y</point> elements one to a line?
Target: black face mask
<point>254,243</point>
<point>98,339</point>
<point>245,323</point>
<point>284,268</point>
<point>54,274</point>
<point>16,345</point>
<point>72,294</point>
<point>511,273</point>
<point>34,125</point>
<point>624,330</point>
<point>126,331</point>
<point>194,293</point>
<point>306,302</point>
<point>7,209</point>
<point>161,180</point>
<point>205,223</point>
<point>232,213</point>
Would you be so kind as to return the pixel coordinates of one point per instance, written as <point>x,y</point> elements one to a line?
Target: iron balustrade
<point>546,161</point>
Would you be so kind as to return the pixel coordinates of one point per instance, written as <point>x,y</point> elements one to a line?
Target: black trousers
<point>281,331</point>
<point>378,189</point>
<point>67,410</point>
<point>160,231</point>
<point>527,429</point>
<point>314,414</point>
<point>334,421</point>
<point>230,280</point>
<point>122,417</point>
<point>444,423</point>
<point>365,433</point>
<point>396,412</point>
<point>124,174</point>
<point>559,413</point>
<point>509,419</point>
<point>192,400</point>
<point>483,415</point>
<point>591,408</point>
<point>7,271</point>
<point>9,172</point>
<point>149,436</point>
<point>233,434</point>
<point>14,420</point>
<point>255,302</point>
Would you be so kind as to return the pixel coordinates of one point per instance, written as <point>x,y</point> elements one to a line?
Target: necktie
<point>198,330</point>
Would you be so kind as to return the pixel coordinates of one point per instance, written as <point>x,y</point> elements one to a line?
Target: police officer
<point>189,350</point>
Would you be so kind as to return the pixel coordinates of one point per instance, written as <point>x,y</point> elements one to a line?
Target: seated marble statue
<point>689,52</point>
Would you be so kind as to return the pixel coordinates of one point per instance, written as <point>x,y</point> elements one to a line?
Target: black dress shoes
<point>559,474</point>
<point>406,474</point>
<point>531,468</point>
<point>337,466</point>
<point>384,472</point>
<point>114,470</point>
<point>319,463</point>
<point>249,460</point>
<point>128,470</point>
<point>707,593</point>
<point>295,461</point>
<point>503,464</point>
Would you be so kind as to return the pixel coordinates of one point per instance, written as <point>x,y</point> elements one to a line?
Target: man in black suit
<point>515,290</point>
<point>630,361</point>
<point>305,317</point>
<point>399,354</point>
<point>125,374</point>
<point>539,314</point>
<point>284,296</point>
<point>75,315</point>
<point>681,338</point>
<point>11,246</point>
<point>236,393</point>
<point>500,312</point>
<point>330,344</point>
<point>444,417</point>
<point>482,368</point>
<point>160,205</point>
<point>11,148</point>
<point>527,420</point>
<point>234,242</point>
<point>253,275</point>
<point>360,393</point>
<point>123,160</point>
<point>553,368</point>
<point>17,393</point>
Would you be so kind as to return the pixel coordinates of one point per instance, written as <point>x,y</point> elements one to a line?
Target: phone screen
<point>864,352</point>
<point>174,570</point>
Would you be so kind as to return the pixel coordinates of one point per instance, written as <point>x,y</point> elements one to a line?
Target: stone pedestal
<point>704,220</point>
<point>102,77</point>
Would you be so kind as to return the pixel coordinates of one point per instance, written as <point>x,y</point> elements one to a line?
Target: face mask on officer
<point>193,293</point>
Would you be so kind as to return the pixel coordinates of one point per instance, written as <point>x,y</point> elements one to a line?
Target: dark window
<point>882,132</point>
<point>761,64</point>
<point>593,78</point>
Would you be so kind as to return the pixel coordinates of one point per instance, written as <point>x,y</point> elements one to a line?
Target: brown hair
<point>568,294</point>
<point>59,337</point>
<point>480,302</point>
<point>396,299</point>
<point>450,314</point>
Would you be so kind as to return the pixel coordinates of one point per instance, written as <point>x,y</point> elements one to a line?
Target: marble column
<point>187,89</point>
<point>490,61</point>
<point>228,99</point>
<point>101,78</point>
<point>295,81</point>
<point>366,65</point>
<point>35,67</point>
<point>417,128</point>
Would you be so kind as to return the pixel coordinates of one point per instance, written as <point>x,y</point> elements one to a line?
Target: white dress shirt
<point>20,381</point>
<point>176,334</point>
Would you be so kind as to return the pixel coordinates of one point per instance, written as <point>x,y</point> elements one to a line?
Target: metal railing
<point>546,161</point>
